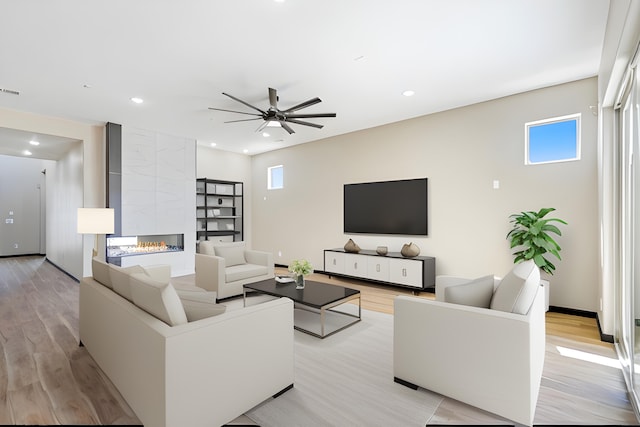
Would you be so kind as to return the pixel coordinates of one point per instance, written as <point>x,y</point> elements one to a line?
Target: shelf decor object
<point>351,246</point>
<point>410,250</point>
<point>381,250</point>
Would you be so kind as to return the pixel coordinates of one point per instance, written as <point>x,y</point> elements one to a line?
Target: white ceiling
<point>84,60</point>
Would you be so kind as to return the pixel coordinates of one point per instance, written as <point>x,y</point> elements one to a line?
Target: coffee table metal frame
<point>322,310</point>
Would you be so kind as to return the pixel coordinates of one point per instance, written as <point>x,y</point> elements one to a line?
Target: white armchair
<point>490,357</point>
<point>225,267</point>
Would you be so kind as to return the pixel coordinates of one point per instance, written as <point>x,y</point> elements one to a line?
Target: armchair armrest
<point>258,257</point>
<point>209,272</point>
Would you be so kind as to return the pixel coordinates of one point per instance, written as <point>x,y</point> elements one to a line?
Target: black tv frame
<point>396,207</point>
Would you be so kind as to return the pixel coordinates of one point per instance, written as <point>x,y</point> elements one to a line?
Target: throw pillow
<point>206,248</point>
<point>196,310</point>
<point>158,299</point>
<point>120,279</point>
<point>233,255</point>
<point>477,292</point>
<point>100,271</point>
<point>518,289</point>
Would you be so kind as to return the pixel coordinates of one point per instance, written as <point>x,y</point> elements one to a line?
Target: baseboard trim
<point>405,383</point>
<point>583,313</point>
<point>284,390</point>
<point>61,269</point>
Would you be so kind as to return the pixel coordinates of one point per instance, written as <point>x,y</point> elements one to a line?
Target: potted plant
<point>531,234</point>
<point>300,268</point>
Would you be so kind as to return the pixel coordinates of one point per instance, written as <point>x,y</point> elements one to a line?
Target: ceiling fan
<point>275,115</point>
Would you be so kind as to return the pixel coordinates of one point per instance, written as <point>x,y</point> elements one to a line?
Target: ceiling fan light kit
<point>273,116</point>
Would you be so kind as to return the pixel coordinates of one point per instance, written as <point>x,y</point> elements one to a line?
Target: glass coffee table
<point>315,306</point>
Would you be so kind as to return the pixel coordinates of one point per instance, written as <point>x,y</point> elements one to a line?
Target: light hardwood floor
<point>46,378</point>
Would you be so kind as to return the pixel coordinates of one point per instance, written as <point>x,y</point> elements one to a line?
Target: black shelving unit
<point>219,210</point>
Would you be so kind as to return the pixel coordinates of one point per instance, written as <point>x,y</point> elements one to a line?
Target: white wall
<point>227,166</point>
<point>22,186</point>
<point>67,250</point>
<point>461,151</point>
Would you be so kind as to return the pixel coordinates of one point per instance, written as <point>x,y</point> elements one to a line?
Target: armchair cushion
<point>196,310</point>
<point>158,299</point>
<point>100,271</point>
<point>244,271</point>
<point>120,279</point>
<point>476,293</point>
<point>518,289</point>
<point>233,255</point>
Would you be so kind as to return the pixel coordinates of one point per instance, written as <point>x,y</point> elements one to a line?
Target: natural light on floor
<point>588,357</point>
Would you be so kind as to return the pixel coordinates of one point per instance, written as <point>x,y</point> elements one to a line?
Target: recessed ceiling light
<point>245,151</point>
<point>137,100</point>
<point>34,142</point>
<point>408,93</point>
<point>27,153</point>
<point>265,134</point>
<point>213,144</point>
<point>279,1</point>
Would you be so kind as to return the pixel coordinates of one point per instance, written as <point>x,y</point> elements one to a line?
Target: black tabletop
<point>314,294</point>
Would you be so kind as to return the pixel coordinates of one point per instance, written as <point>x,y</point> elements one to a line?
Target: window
<point>552,140</point>
<point>275,177</point>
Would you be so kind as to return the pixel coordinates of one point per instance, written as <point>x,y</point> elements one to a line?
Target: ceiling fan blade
<point>300,122</point>
<point>287,127</point>
<point>233,111</point>
<point>310,116</point>
<point>302,105</point>
<point>243,102</point>
<point>262,126</point>
<point>273,98</point>
<point>243,120</point>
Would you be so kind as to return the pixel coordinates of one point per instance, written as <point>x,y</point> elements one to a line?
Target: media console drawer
<point>392,269</point>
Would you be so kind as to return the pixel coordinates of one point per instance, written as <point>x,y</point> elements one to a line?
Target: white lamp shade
<point>95,220</point>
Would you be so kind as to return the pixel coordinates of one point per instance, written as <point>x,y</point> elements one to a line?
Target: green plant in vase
<point>300,268</point>
<point>531,234</point>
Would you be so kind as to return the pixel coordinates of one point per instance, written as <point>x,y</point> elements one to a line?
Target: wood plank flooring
<point>46,378</point>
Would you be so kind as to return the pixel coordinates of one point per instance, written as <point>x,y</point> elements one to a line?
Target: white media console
<point>417,273</point>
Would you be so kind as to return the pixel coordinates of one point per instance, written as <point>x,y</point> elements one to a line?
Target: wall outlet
<point>496,184</point>
<point>8,221</point>
<point>279,253</point>
<point>15,246</point>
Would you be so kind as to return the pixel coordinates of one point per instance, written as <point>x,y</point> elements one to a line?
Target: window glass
<point>553,140</point>
<point>275,177</point>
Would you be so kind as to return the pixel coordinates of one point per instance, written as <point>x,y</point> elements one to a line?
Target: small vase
<point>300,281</point>
<point>351,246</point>
<point>410,250</point>
<point>381,250</point>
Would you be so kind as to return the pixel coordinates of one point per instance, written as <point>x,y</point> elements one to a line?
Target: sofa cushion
<point>157,298</point>
<point>120,279</point>
<point>518,289</point>
<point>205,247</point>
<point>477,292</point>
<point>233,255</point>
<point>101,273</point>
<point>195,295</point>
<point>196,310</point>
<point>244,271</point>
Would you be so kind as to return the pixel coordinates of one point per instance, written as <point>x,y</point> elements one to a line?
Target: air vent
<point>9,91</point>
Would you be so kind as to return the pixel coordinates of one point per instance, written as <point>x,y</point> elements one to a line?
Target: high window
<point>275,177</point>
<point>552,140</point>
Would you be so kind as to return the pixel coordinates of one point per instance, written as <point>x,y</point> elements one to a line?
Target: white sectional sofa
<point>225,267</point>
<point>195,373</point>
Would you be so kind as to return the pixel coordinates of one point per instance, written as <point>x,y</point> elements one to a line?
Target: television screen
<point>389,207</point>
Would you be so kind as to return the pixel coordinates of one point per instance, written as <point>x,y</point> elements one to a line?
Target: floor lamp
<point>95,221</point>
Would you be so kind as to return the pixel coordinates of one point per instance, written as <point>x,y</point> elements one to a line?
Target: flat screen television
<point>388,207</point>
